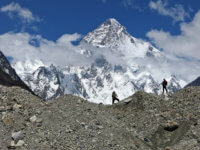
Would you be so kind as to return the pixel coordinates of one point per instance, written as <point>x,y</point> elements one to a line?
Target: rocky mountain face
<point>8,75</point>
<point>111,34</point>
<point>47,79</point>
<point>140,122</point>
<point>196,82</point>
<point>95,82</point>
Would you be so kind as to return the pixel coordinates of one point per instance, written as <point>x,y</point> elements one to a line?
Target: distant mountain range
<point>95,82</point>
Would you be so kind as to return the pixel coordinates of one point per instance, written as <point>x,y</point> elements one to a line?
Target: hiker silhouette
<point>164,84</point>
<point>114,97</point>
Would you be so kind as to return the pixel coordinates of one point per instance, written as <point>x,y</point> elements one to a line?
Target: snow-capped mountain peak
<point>107,34</point>
<point>112,22</point>
<point>112,35</point>
<point>96,81</point>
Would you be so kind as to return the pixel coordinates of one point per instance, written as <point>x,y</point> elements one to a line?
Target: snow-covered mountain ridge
<point>111,34</point>
<point>123,64</point>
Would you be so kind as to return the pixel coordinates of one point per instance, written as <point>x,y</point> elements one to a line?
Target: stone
<point>16,106</point>
<point>86,127</point>
<point>8,121</point>
<point>100,127</point>
<point>27,124</point>
<point>39,120</point>
<point>17,135</point>
<point>68,130</point>
<point>79,101</point>
<point>11,147</point>
<point>26,112</point>
<point>10,108</point>
<point>18,144</point>
<point>38,112</point>
<point>171,126</point>
<point>2,109</point>
<point>146,140</point>
<point>82,123</point>
<point>16,100</point>
<point>42,104</point>
<point>167,148</point>
<point>38,124</point>
<point>33,119</point>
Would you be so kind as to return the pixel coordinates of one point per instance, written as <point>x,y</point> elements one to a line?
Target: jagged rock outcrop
<point>8,75</point>
<point>47,79</point>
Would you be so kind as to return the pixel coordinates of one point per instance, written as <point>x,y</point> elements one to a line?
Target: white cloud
<point>132,4</point>
<point>183,49</point>
<point>22,46</point>
<point>177,12</point>
<point>184,45</point>
<point>14,9</point>
<point>127,3</point>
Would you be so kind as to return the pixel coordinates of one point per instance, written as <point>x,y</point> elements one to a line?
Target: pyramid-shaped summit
<point>110,34</point>
<point>112,22</point>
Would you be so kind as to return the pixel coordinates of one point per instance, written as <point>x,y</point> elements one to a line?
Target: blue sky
<point>83,16</point>
<point>36,28</point>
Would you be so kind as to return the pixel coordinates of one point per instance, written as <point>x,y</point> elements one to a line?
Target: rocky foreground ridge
<point>140,122</point>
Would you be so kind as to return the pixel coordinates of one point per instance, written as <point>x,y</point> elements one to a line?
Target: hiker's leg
<point>163,90</point>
